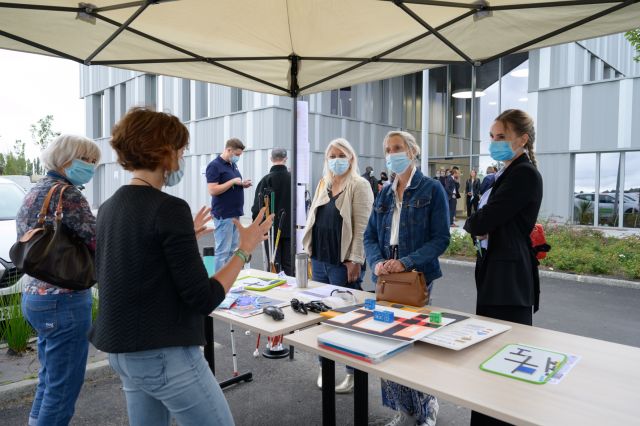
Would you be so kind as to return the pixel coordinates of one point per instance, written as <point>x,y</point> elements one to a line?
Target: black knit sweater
<point>153,286</point>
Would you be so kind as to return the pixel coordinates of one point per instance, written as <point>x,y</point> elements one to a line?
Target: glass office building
<point>583,96</point>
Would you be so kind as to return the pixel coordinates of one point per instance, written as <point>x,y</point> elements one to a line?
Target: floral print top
<point>76,216</point>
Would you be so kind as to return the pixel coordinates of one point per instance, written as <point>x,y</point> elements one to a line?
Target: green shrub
<point>576,250</point>
<point>94,306</point>
<point>17,330</point>
<point>460,245</point>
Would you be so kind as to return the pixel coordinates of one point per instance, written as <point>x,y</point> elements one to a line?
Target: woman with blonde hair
<point>507,279</point>
<point>337,219</point>
<point>408,230</point>
<point>60,316</point>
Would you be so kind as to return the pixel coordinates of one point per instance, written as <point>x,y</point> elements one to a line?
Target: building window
<point>236,99</point>
<point>609,194</point>
<point>202,101</point>
<point>584,189</point>
<point>185,100</point>
<point>631,207</point>
<point>341,102</point>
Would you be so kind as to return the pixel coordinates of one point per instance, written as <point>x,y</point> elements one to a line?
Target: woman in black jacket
<point>472,189</point>
<point>154,288</point>
<point>506,267</point>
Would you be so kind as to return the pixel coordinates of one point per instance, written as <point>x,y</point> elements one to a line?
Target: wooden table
<point>264,324</point>
<point>602,389</point>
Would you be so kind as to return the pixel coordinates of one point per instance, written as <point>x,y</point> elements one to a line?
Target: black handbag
<point>54,254</point>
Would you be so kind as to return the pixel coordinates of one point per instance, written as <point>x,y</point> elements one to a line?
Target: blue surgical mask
<point>338,166</point>
<point>80,172</point>
<point>235,159</point>
<point>398,162</point>
<point>501,150</point>
<point>173,178</point>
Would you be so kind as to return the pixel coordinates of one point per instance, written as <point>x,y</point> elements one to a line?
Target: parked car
<point>606,204</point>
<point>11,196</point>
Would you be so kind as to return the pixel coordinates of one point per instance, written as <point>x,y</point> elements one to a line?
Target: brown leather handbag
<point>406,288</point>
<point>52,253</point>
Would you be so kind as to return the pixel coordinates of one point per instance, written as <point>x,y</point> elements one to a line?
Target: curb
<point>26,388</point>
<point>587,279</point>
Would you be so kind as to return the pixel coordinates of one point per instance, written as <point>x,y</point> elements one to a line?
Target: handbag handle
<point>59,208</point>
<point>45,206</point>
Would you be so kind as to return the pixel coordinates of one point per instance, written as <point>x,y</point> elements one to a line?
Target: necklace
<point>140,179</point>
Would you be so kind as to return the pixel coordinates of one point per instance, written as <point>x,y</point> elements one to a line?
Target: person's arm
<point>360,211</point>
<point>371,243</point>
<point>216,188</point>
<point>175,229</point>
<point>438,238</point>
<point>77,216</point>
<point>517,190</point>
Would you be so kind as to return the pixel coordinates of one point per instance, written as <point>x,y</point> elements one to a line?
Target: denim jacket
<point>424,227</point>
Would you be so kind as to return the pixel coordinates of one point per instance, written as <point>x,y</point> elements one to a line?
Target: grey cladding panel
<point>635,126</point>
<point>599,116</point>
<point>553,123</point>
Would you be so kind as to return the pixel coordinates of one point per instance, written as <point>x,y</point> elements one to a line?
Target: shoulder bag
<point>52,253</point>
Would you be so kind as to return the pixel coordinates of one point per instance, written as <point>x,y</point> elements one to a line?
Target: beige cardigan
<point>354,206</point>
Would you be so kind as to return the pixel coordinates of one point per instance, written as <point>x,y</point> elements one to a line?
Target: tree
<point>42,132</point>
<point>634,38</point>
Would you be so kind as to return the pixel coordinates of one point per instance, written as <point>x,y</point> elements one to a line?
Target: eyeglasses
<point>345,295</point>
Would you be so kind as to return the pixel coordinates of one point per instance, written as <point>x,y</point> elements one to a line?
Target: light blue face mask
<point>235,159</point>
<point>398,162</point>
<point>501,150</point>
<point>173,178</point>
<point>80,172</point>
<point>338,166</point>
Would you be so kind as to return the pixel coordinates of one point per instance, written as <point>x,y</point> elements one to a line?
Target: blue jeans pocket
<point>42,315</point>
<point>147,370</point>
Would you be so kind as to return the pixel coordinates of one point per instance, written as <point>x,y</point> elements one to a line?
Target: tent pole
<point>294,90</point>
<point>294,180</point>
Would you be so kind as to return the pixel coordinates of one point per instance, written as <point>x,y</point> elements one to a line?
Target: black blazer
<point>507,274</point>
<point>475,186</point>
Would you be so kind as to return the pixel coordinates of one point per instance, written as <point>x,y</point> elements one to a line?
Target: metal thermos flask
<point>302,265</point>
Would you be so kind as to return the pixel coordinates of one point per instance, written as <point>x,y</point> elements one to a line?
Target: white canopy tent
<point>296,47</point>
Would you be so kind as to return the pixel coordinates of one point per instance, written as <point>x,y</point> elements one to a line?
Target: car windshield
<point>10,200</point>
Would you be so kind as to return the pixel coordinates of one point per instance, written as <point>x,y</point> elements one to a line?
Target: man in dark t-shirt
<point>226,187</point>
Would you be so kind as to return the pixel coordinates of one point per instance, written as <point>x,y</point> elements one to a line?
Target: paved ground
<point>608,313</point>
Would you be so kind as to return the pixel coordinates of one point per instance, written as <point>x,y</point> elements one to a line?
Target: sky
<point>33,86</point>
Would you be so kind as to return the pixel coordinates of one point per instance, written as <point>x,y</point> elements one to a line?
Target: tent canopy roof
<point>293,47</point>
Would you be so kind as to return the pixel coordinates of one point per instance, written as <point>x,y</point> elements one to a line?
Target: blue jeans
<point>62,322</point>
<point>333,274</point>
<point>226,236</point>
<point>174,381</point>
<point>324,272</point>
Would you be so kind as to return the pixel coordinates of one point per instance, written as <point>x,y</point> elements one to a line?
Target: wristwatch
<point>246,257</point>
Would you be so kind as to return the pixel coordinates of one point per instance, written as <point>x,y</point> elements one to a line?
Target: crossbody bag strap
<point>45,206</point>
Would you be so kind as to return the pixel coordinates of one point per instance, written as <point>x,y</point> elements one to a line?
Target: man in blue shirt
<point>488,180</point>
<point>226,188</point>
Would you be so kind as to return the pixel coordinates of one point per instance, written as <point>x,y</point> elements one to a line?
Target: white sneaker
<point>347,385</point>
<point>319,382</point>
<point>402,419</point>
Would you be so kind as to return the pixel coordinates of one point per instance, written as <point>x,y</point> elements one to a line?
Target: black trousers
<point>452,209</point>
<point>517,314</point>
<point>472,205</point>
